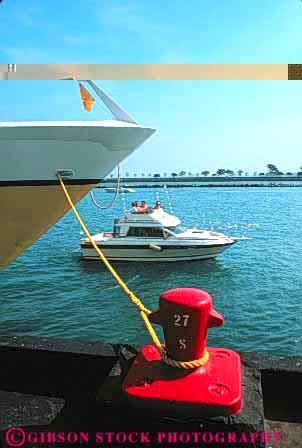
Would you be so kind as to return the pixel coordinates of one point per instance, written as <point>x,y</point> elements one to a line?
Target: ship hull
<point>36,151</point>
<point>31,154</point>
<point>29,211</point>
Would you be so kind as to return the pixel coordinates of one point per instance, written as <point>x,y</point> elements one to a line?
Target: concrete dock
<point>72,388</point>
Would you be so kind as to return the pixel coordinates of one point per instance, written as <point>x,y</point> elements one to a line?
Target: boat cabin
<point>153,224</point>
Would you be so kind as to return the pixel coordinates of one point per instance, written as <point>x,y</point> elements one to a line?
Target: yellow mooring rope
<point>144,312</point>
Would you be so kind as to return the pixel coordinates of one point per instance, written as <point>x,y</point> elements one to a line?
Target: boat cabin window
<point>145,232</point>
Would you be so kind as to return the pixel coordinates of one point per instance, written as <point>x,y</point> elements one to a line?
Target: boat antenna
<point>124,201</point>
<point>114,108</point>
<point>117,188</point>
<point>169,200</point>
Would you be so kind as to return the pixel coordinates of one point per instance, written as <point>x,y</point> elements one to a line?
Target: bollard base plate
<point>214,388</point>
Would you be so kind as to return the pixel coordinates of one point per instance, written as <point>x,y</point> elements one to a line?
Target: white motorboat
<point>33,153</point>
<point>120,189</point>
<point>155,235</point>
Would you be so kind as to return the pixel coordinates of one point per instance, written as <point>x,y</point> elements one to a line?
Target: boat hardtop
<point>150,217</point>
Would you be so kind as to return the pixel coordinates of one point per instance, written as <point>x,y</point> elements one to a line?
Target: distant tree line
<point>272,170</point>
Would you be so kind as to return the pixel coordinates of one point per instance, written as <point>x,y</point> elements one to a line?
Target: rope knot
<point>185,364</point>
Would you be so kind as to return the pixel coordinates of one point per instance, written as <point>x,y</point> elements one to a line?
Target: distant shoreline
<point>187,179</point>
<point>269,185</point>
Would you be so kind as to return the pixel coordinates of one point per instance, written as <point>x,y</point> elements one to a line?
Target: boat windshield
<point>176,230</point>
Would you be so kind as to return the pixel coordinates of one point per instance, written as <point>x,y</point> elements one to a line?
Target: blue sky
<point>202,124</point>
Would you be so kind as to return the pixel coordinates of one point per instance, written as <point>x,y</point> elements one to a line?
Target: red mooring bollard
<point>185,315</point>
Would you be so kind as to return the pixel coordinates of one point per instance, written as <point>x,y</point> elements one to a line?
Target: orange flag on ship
<point>87,99</point>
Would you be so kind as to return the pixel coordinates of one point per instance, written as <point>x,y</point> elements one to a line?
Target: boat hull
<point>166,254</point>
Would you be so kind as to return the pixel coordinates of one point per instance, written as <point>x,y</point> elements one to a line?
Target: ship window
<point>145,232</point>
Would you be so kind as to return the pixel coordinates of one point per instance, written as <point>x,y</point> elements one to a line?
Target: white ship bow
<point>32,153</point>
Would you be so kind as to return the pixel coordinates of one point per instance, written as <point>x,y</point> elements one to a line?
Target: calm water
<point>256,285</point>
